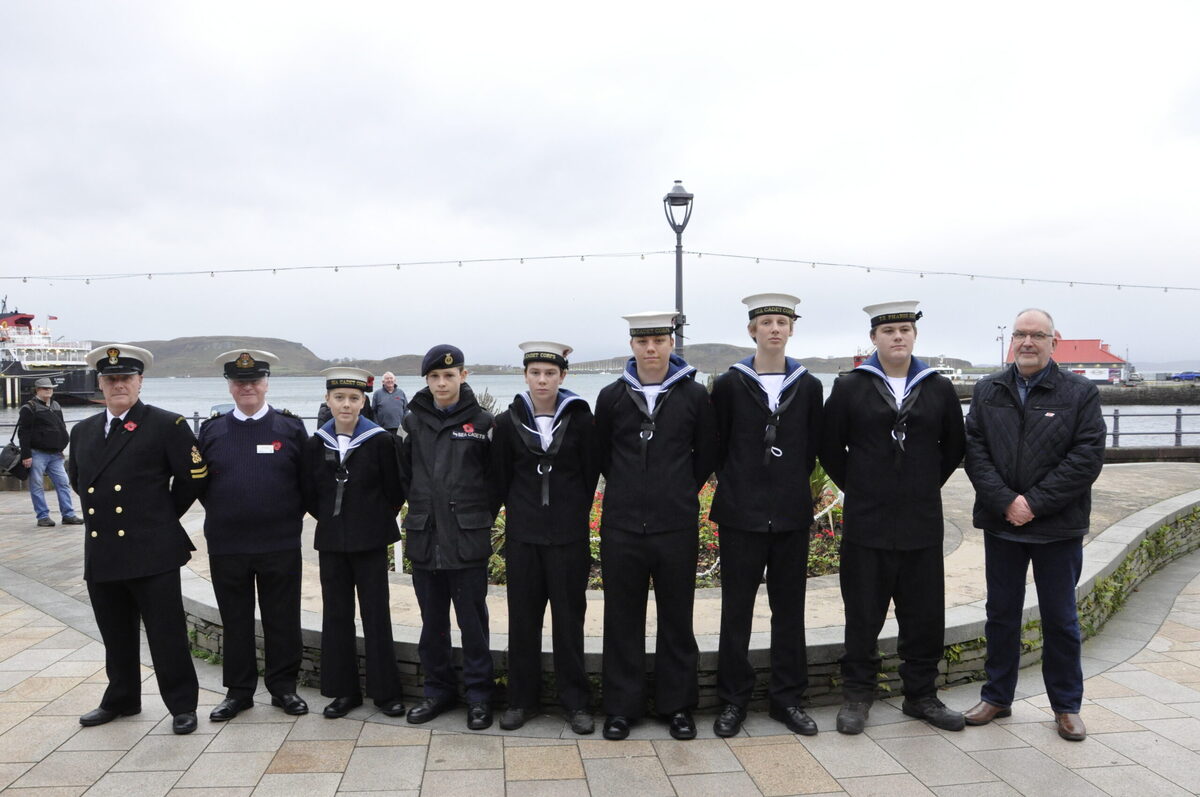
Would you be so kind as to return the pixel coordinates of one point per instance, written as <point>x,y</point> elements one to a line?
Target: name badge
<point>265,448</point>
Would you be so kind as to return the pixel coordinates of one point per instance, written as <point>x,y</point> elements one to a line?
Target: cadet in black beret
<point>442,356</point>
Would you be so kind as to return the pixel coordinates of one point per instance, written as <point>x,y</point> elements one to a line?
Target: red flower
<point>130,426</point>
<point>276,445</point>
<point>468,428</point>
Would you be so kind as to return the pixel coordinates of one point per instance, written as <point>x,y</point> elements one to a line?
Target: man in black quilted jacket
<point>1035,445</point>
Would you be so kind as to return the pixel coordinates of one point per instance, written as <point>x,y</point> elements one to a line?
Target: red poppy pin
<point>468,428</point>
<point>276,445</point>
<point>130,426</point>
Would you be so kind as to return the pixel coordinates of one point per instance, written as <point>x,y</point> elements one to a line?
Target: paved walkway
<point>1142,710</point>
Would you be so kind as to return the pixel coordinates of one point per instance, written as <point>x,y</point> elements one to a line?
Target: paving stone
<point>471,783</point>
<point>465,751</point>
<point>1100,686</point>
<point>1184,731</point>
<point>1133,781</point>
<point>383,793</point>
<point>374,768</point>
<point>12,713</point>
<point>899,730</point>
<point>10,678</point>
<point>72,669</point>
<point>994,789</point>
<point>375,734</point>
<point>48,791</point>
<point>549,788</point>
<point>317,756</point>
<point>212,791</point>
<point>163,752</point>
<point>697,757</point>
<point>522,741</point>
<point>602,748</point>
<point>39,688</point>
<point>1029,771</point>
<point>78,700</point>
<point>621,777</point>
<point>309,785</point>
<point>119,735</point>
<point>1177,671</point>
<point>10,772</point>
<point>542,763</point>
<point>1138,708</point>
<point>845,756</point>
<point>1091,752</point>
<point>68,769</point>
<point>34,658</point>
<point>142,784</point>
<point>784,769</point>
<point>1170,760</point>
<point>315,727</point>
<point>884,786</point>
<point>759,741</point>
<point>1098,719</point>
<point>982,737</point>
<point>725,784</point>
<point>226,769</point>
<point>935,762</point>
<point>33,738</point>
<point>249,738</point>
<point>1157,687</point>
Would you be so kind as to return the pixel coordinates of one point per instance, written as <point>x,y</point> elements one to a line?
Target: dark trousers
<point>341,575</point>
<point>156,601</point>
<point>630,561</point>
<point>537,574</point>
<point>1056,568</point>
<point>277,577</point>
<point>744,557</point>
<point>873,577</point>
<point>467,590</point>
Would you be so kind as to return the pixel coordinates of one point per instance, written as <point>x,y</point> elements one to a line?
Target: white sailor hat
<point>545,351</point>
<point>893,312</point>
<point>246,364</point>
<point>771,304</point>
<point>344,376</point>
<point>119,358</point>
<point>652,322</point>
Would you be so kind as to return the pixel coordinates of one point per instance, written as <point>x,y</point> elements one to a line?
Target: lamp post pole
<point>1000,338</point>
<point>676,203</point>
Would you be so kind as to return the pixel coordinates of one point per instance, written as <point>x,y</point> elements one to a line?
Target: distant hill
<point>194,357</point>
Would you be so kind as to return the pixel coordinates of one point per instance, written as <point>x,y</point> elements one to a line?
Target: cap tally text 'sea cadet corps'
<point>115,359</point>
<point>544,351</point>
<point>653,322</point>
<point>246,365</point>
<point>771,304</point>
<point>442,355</point>
<point>342,376</point>
<point>893,312</point>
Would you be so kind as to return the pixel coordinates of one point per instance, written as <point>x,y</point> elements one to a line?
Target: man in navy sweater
<point>254,513</point>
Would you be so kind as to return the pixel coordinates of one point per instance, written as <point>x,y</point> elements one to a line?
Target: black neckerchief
<point>648,417</point>
<point>533,441</point>
<point>773,419</point>
<point>900,424</point>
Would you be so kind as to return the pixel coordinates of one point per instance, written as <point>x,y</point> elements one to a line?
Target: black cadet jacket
<point>1050,451</point>
<point>757,490</point>
<point>40,427</point>
<point>452,495</point>
<point>569,483</point>
<point>371,496</point>
<point>891,503</point>
<point>133,490</point>
<point>661,494</point>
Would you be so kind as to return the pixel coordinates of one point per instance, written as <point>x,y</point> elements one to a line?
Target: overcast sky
<point>1037,140</point>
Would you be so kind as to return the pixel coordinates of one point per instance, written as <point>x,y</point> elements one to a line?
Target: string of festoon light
<point>920,273</point>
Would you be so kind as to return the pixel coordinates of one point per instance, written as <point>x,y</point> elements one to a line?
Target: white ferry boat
<point>29,352</point>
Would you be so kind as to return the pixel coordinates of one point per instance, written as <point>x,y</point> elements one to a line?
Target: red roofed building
<point>1088,357</point>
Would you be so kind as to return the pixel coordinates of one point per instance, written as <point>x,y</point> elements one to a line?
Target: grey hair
<point>1050,318</point>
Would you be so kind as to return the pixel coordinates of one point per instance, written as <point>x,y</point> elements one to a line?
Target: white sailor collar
<point>363,431</point>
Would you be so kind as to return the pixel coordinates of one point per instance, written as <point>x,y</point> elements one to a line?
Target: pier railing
<point>1178,431</point>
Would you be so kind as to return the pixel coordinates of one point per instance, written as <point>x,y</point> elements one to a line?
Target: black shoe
<point>291,703</point>
<point>479,716</point>
<point>45,522</point>
<point>682,726</point>
<point>71,520</point>
<point>99,716</point>
<point>230,707</point>
<point>581,721</point>
<point>729,721</point>
<point>935,713</point>
<point>429,708</point>
<point>391,708</point>
<point>852,716</point>
<point>795,719</point>
<point>514,718</point>
<point>616,727</point>
<point>341,706</point>
<point>184,723</point>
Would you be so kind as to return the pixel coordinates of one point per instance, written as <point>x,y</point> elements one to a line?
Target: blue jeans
<point>1056,568</point>
<point>46,462</point>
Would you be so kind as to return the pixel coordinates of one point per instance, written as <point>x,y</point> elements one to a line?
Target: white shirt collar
<point>241,416</point>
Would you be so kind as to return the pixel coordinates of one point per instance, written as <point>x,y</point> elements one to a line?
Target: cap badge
<point>448,359</point>
<point>113,353</point>
<point>196,458</point>
<point>244,361</point>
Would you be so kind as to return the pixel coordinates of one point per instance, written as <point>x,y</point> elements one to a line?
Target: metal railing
<point>1116,434</point>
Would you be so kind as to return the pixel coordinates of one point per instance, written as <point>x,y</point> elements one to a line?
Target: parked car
<point>1134,378</point>
<point>1185,376</point>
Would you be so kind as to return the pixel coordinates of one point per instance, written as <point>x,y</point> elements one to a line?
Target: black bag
<point>10,460</point>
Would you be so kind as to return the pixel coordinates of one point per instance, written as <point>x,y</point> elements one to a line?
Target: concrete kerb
<point>964,624</point>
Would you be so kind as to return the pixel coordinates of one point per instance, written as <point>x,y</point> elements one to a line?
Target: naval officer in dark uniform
<point>136,469</point>
<point>254,512</point>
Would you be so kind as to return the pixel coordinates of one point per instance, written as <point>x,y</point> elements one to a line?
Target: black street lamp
<point>677,205</point>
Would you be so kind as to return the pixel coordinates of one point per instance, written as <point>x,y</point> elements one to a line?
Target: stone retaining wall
<point>1115,562</point>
